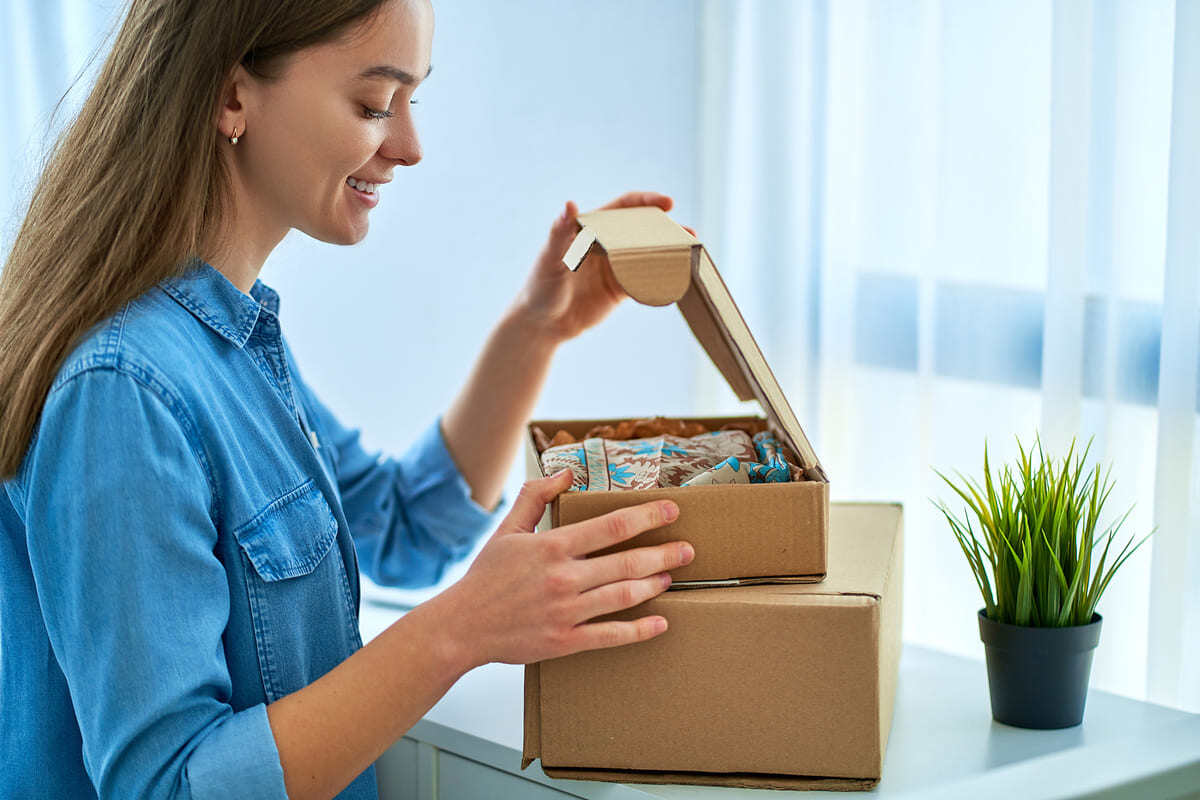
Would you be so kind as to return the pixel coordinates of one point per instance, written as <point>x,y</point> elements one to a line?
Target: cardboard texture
<point>769,686</point>
<point>742,534</point>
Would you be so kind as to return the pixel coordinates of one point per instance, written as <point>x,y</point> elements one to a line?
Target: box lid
<point>658,263</point>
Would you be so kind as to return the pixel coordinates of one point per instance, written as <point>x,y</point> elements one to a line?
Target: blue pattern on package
<point>774,468</point>
<point>718,457</point>
<point>601,464</point>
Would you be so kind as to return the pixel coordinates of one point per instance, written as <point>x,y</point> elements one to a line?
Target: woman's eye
<point>373,113</point>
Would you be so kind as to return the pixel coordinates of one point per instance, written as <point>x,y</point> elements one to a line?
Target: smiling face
<point>340,113</point>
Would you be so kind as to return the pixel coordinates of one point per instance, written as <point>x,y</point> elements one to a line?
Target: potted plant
<point>1033,549</point>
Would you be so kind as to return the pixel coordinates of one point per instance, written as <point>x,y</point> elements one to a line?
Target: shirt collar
<point>213,299</point>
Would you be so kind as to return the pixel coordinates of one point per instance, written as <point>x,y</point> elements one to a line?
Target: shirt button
<point>312,437</point>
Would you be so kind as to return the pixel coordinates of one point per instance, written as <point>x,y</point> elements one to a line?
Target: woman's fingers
<point>531,502</point>
<point>630,199</point>
<point>614,633</point>
<point>616,526</point>
<point>623,594</point>
<point>633,564</point>
<point>565,222</point>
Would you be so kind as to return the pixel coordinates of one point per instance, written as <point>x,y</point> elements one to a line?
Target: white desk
<point>943,744</point>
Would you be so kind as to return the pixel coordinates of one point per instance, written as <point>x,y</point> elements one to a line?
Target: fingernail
<point>670,511</point>
<point>665,580</point>
<point>660,625</point>
<point>686,553</point>
<point>561,472</point>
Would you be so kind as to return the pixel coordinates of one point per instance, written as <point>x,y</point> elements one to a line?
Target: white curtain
<point>45,46</point>
<point>950,222</point>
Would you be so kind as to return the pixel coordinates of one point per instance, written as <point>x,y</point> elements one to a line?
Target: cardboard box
<point>770,686</point>
<point>743,534</point>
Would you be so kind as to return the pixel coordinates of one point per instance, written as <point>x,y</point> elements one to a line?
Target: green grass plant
<point>1033,544</point>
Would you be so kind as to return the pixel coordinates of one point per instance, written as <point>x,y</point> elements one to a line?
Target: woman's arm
<point>484,426</point>
<point>331,730</point>
<point>526,598</point>
<point>123,549</point>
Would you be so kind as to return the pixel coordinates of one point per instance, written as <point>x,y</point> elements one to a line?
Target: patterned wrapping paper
<point>728,456</point>
<point>771,466</point>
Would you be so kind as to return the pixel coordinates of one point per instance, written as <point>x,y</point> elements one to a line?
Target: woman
<point>183,519</point>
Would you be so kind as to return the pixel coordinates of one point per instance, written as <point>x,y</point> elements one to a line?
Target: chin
<point>351,234</point>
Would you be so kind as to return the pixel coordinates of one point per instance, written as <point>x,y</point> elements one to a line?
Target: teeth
<point>362,186</point>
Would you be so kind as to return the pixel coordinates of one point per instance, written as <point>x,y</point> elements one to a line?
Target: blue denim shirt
<point>181,546</point>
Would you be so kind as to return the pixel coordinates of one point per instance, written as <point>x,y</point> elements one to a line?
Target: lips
<point>371,199</point>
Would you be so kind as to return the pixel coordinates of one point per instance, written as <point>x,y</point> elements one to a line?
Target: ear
<point>231,105</point>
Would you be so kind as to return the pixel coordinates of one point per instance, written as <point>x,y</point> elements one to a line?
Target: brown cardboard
<point>773,686</point>
<point>742,534</point>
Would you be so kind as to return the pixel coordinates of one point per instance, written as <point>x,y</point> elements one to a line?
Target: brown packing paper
<point>781,686</point>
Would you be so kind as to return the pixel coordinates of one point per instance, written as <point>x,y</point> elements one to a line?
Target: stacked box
<point>769,686</point>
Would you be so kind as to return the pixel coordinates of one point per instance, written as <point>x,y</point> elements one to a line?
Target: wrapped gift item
<point>770,467</point>
<point>715,457</point>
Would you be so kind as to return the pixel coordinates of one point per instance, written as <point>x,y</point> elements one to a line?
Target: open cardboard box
<point>742,533</point>
<point>769,686</point>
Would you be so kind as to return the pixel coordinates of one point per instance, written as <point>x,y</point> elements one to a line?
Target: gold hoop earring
<point>234,139</point>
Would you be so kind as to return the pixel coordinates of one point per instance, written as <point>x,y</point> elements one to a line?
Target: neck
<point>249,236</point>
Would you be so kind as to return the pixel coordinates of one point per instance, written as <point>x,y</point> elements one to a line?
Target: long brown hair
<point>135,185</point>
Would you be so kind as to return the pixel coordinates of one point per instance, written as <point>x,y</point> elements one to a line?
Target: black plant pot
<point>1038,677</point>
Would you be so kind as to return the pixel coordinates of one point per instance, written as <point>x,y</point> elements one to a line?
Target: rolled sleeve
<point>437,494</point>
<point>238,759</point>
<point>122,547</point>
<point>413,516</point>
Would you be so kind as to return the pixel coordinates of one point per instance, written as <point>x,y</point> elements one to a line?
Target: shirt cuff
<point>238,758</point>
<point>436,481</point>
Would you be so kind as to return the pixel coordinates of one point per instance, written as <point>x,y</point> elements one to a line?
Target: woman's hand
<point>527,596</point>
<point>563,303</point>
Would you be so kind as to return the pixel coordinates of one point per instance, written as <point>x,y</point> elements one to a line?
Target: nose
<point>402,144</point>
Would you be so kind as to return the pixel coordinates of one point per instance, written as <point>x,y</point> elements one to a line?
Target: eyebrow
<point>395,73</point>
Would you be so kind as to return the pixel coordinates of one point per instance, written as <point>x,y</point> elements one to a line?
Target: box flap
<point>651,256</point>
<point>657,262</point>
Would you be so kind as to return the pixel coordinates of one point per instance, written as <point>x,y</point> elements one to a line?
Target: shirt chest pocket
<point>298,590</point>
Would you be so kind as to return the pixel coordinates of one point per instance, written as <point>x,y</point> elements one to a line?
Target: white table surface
<point>943,742</point>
